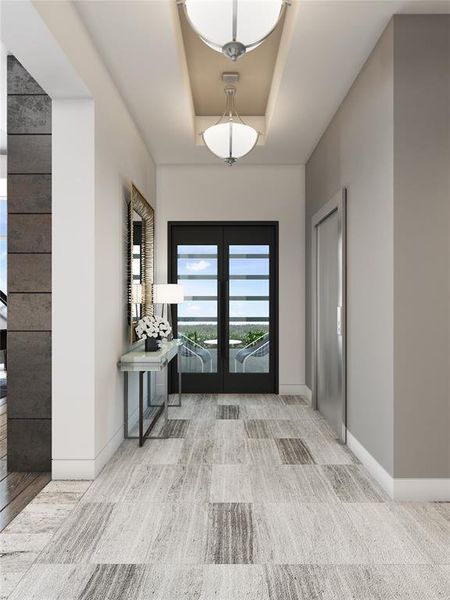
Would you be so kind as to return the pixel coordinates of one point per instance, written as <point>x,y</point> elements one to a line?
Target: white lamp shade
<point>213,20</point>
<point>168,293</point>
<point>230,139</point>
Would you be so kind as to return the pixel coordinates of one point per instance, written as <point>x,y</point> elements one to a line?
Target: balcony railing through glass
<point>248,310</point>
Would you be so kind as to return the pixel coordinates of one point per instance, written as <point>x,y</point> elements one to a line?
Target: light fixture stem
<point>230,92</point>
<point>235,11</point>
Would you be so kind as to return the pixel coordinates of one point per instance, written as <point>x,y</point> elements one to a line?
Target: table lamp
<point>168,293</point>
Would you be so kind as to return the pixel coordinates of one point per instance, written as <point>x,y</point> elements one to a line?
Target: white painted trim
<point>422,490</point>
<point>87,468</point>
<point>378,472</point>
<point>307,393</point>
<point>400,489</point>
<point>73,469</point>
<point>74,202</point>
<point>108,451</point>
<point>26,35</point>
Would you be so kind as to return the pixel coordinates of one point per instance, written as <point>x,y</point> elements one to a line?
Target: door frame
<point>170,275</point>
<point>338,203</point>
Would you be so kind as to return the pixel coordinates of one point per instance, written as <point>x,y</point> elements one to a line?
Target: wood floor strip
<point>21,500</point>
<point>3,468</point>
<point>12,485</point>
<point>3,422</point>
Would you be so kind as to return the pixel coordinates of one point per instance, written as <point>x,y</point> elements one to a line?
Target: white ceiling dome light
<point>230,138</point>
<point>234,27</point>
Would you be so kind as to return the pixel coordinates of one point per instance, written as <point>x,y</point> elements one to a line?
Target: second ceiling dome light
<point>230,138</point>
<point>234,27</point>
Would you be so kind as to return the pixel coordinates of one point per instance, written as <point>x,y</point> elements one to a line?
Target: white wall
<point>120,157</point>
<point>73,270</point>
<point>3,98</point>
<point>265,193</point>
<point>88,202</point>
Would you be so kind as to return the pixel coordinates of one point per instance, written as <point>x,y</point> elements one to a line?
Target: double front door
<point>228,319</point>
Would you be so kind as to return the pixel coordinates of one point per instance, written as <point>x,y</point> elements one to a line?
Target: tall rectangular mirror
<point>141,227</point>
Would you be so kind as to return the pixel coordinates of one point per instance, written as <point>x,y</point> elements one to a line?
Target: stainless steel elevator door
<point>328,374</point>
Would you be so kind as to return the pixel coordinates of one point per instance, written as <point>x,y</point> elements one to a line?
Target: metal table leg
<point>178,404</point>
<point>143,435</point>
<point>166,407</point>
<point>125,407</point>
<point>141,408</point>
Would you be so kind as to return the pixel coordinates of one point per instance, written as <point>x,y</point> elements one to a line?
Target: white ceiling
<point>331,39</point>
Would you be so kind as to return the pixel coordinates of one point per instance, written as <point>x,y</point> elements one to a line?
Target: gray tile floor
<point>252,498</point>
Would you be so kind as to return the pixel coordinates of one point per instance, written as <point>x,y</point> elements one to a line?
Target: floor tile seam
<point>187,565</point>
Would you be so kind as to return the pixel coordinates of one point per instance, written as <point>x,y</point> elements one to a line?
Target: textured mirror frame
<point>140,205</point>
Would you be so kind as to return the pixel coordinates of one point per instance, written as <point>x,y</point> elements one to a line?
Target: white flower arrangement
<point>153,327</point>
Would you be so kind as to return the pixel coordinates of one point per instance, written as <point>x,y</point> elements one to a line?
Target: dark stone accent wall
<point>29,272</point>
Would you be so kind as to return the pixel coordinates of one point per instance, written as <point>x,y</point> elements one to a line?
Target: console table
<point>136,360</point>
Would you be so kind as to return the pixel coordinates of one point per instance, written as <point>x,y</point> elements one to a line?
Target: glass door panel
<point>249,309</point>
<point>197,269</point>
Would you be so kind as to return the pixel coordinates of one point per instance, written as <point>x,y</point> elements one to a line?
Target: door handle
<point>225,325</point>
<point>221,305</point>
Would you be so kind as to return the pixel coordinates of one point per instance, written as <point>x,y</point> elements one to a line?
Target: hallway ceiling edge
<point>323,46</point>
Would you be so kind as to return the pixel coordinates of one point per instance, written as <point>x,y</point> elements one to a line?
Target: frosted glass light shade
<point>230,140</point>
<point>213,21</point>
<point>168,293</point>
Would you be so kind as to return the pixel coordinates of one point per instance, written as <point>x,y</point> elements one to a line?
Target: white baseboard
<point>295,389</point>
<point>73,469</point>
<point>307,393</point>
<point>378,472</point>
<point>422,490</point>
<point>401,489</point>
<point>108,451</point>
<point>87,468</point>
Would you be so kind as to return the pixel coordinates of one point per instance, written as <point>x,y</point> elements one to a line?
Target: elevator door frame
<point>336,204</point>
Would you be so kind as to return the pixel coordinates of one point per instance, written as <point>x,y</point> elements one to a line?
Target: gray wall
<point>389,144</point>
<point>421,245</point>
<point>29,273</point>
<point>356,151</point>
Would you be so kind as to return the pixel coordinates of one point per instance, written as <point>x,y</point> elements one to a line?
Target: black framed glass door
<point>228,322</point>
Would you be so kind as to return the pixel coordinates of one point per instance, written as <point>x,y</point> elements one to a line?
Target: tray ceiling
<point>321,52</point>
<point>205,68</point>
